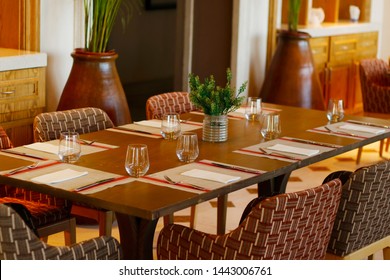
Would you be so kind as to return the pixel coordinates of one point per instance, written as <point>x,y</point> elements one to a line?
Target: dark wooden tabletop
<point>151,201</point>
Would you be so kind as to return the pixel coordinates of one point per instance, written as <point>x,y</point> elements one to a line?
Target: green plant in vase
<point>294,7</point>
<point>216,102</point>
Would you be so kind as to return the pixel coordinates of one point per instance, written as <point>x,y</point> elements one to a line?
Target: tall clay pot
<point>292,78</point>
<point>94,82</point>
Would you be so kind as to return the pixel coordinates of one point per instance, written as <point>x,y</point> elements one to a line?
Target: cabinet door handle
<point>8,92</point>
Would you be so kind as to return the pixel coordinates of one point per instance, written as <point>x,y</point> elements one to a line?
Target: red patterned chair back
<point>48,126</point>
<point>5,142</point>
<point>363,216</point>
<point>18,242</point>
<point>287,226</point>
<point>375,84</point>
<point>171,102</point>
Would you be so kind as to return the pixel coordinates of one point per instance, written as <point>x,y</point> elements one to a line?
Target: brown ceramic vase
<point>94,82</point>
<point>292,78</point>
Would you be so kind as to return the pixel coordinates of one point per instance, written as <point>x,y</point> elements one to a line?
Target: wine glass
<point>187,149</point>
<point>170,126</point>
<point>335,111</point>
<point>137,160</point>
<point>69,149</point>
<point>253,109</point>
<point>270,126</point>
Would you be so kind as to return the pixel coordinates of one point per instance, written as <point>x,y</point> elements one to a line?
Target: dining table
<point>243,160</point>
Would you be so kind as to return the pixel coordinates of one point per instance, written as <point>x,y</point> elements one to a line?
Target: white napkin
<point>212,176</point>
<point>240,110</point>
<point>151,123</point>
<point>293,150</point>
<point>59,176</point>
<point>44,147</point>
<point>362,128</point>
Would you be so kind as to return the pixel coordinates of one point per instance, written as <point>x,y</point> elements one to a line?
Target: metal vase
<point>215,128</point>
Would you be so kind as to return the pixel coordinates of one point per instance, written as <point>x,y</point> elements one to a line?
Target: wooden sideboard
<point>22,92</point>
<point>337,62</point>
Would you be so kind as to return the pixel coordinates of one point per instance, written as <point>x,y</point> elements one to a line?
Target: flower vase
<point>215,128</point>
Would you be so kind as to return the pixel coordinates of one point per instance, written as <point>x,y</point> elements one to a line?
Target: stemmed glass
<point>69,149</point>
<point>187,149</point>
<point>137,160</point>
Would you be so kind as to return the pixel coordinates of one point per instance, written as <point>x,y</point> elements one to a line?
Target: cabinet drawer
<point>22,94</point>
<point>367,45</point>
<point>320,50</point>
<point>343,48</point>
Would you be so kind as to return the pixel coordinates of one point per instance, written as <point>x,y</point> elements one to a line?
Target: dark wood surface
<point>138,205</point>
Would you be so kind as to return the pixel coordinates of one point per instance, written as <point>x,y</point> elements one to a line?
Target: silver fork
<point>277,154</point>
<point>31,166</point>
<point>170,181</point>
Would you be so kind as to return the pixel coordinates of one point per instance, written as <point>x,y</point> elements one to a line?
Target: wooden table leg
<point>221,214</point>
<point>273,186</point>
<point>136,236</point>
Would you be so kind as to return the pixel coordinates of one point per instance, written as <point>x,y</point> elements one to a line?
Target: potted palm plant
<point>94,80</point>
<point>216,102</point>
<point>292,78</point>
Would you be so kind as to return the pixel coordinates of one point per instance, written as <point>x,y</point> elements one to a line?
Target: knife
<point>369,124</point>
<point>233,167</point>
<point>79,189</point>
<point>312,142</point>
<point>22,154</point>
<point>134,130</point>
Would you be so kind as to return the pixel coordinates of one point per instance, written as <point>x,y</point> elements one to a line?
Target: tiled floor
<point>307,177</point>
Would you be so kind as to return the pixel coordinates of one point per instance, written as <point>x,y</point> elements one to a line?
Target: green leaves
<point>100,18</point>
<point>213,99</point>
<point>293,14</point>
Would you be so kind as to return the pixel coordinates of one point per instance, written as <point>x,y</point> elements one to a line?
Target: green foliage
<point>100,18</point>
<point>293,14</point>
<point>215,100</point>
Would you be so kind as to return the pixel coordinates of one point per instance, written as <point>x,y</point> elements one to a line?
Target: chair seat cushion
<point>41,214</point>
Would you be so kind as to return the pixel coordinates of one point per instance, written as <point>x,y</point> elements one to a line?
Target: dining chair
<point>375,85</point>
<point>19,242</point>
<point>50,215</point>
<point>293,225</point>
<point>168,103</point>
<point>48,126</point>
<point>362,224</point>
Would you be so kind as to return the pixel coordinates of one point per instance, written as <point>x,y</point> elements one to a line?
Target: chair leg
<point>168,219</point>
<point>193,216</point>
<point>105,222</point>
<point>359,155</point>
<point>381,145</point>
<point>70,233</point>
<point>386,253</point>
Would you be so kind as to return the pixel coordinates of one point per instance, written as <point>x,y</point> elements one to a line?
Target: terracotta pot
<point>94,82</point>
<point>292,78</point>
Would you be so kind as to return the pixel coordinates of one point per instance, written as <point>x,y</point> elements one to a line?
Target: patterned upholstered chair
<point>48,126</point>
<point>165,103</point>
<point>49,215</point>
<point>375,85</point>
<point>171,102</point>
<point>362,225</point>
<point>287,226</point>
<point>18,242</point>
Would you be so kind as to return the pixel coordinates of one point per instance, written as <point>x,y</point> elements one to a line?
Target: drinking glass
<point>253,109</point>
<point>187,149</point>
<point>69,149</point>
<point>170,126</point>
<point>270,126</point>
<point>137,160</point>
<point>335,110</point>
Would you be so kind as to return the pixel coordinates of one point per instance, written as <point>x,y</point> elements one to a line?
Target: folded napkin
<point>240,110</point>
<point>293,150</point>
<point>362,128</point>
<point>44,147</point>
<point>59,176</point>
<point>151,123</point>
<point>212,176</point>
